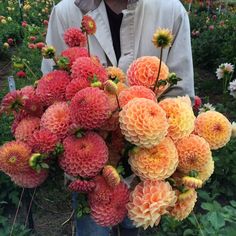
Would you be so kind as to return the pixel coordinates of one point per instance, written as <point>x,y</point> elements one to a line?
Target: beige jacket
<point>140,20</point>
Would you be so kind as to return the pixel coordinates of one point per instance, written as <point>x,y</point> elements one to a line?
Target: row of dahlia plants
<point>86,118</point>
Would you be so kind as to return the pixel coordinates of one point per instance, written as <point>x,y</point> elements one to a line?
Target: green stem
<point>88,44</point>
<point>29,69</point>
<point>159,71</point>
<point>199,226</point>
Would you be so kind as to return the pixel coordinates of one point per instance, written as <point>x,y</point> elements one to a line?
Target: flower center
<point>12,159</point>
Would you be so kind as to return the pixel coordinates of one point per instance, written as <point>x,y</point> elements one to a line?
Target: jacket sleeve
<point>179,58</point>
<point>56,28</point>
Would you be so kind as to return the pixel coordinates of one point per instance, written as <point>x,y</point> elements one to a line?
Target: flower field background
<point>213,29</point>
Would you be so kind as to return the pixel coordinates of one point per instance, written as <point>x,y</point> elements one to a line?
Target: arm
<point>179,59</point>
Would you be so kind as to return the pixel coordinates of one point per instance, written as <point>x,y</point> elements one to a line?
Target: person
<point>124,32</point>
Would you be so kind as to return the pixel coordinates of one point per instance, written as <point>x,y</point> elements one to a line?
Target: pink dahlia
<point>56,119</point>
<point>108,204</point>
<point>26,127</point>
<point>74,37</point>
<point>89,108</point>
<point>82,186</point>
<point>90,69</point>
<point>42,141</point>
<point>84,156</point>
<point>51,88</point>
<point>88,25</point>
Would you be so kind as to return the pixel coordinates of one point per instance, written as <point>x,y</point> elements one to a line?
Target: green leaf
<point>217,220</point>
<point>188,232</point>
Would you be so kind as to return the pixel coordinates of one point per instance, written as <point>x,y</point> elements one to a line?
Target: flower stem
<point>159,71</point>
<point>88,44</point>
<point>30,206</point>
<point>118,103</point>
<point>200,228</point>
<point>29,69</point>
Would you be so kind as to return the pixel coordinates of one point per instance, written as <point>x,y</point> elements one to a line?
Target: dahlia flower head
<point>90,69</point>
<point>85,156</point>
<point>149,201</point>
<point>51,87</point>
<point>156,163</point>
<point>194,153</point>
<point>116,74</point>
<point>144,71</point>
<point>83,186</point>
<point>88,25</point>
<point>89,108</point>
<point>56,119</point>
<point>14,157</point>
<point>135,92</point>
<point>143,122</point>
<point>26,128</point>
<point>108,204</point>
<point>74,37</point>
<point>183,207</point>
<point>214,127</point>
<point>180,117</point>
<point>232,88</point>
<point>224,69</point>
<point>207,171</point>
<point>73,53</point>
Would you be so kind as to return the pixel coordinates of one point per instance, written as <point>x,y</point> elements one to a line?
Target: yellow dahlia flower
<point>180,117</point>
<point>157,163</point>
<point>214,127</point>
<point>150,200</point>
<point>162,38</point>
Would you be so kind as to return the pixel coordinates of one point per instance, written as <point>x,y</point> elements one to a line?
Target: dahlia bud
<point>63,63</point>
<point>36,162</point>
<point>162,38</point>
<point>48,52</point>
<point>173,79</point>
<point>96,84</point>
<point>192,182</point>
<point>111,175</point>
<point>110,87</point>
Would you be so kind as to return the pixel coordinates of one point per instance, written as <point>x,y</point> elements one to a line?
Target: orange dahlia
<point>157,163</point>
<point>52,87</point>
<point>89,108</point>
<point>116,74</point>
<point>192,182</point>
<point>108,204</point>
<point>88,68</point>
<point>180,117</point>
<point>73,53</point>
<point>82,186</point>
<point>136,92</point>
<point>150,200</point>
<point>42,141</point>
<point>26,127</point>
<point>56,119</point>
<point>194,153</point>
<point>214,127</point>
<point>75,86</point>
<point>14,157</point>
<point>85,156</point>
<point>74,37</point>
<point>207,171</point>
<point>184,207</point>
<point>111,175</point>
<point>144,71</point>
<point>30,179</point>
<point>143,122</point>
<point>88,25</point>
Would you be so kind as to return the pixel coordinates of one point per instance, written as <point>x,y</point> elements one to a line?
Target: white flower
<point>232,88</point>
<point>225,68</point>
<point>206,107</point>
<point>233,135</point>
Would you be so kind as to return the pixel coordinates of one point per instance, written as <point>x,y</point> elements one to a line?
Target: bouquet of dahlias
<point>89,117</point>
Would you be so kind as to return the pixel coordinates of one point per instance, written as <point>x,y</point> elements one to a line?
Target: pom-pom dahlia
<point>30,179</point>
<point>184,207</point>
<point>214,127</point>
<point>56,119</point>
<point>51,88</point>
<point>207,171</point>
<point>90,108</point>
<point>180,117</point>
<point>84,156</point>
<point>26,127</point>
<point>82,186</point>
<point>144,71</point>
<point>88,68</point>
<point>136,92</point>
<point>14,157</point>
<point>75,86</point>
<point>42,141</point>
<point>74,37</point>
<point>115,74</point>
<point>150,200</point>
<point>194,153</point>
<point>108,204</point>
<point>73,53</point>
<point>143,122</point>
<point>111,175</point>
<point>18,116</point>
<point>157,163</point>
